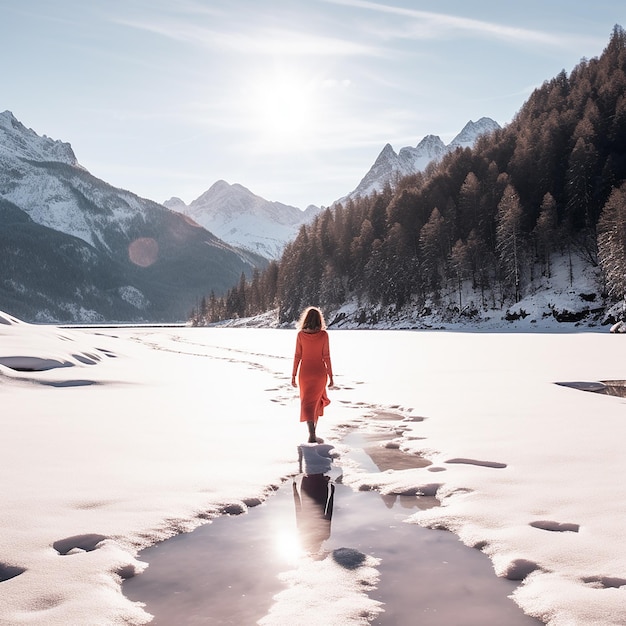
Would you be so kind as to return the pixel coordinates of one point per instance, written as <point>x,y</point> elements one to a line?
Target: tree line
<point>492,217</point>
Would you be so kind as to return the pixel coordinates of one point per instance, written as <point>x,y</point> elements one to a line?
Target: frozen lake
<point>116,439</point>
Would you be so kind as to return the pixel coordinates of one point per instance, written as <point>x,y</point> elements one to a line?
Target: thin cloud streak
<point>435,25</point>
<point>267,42</point>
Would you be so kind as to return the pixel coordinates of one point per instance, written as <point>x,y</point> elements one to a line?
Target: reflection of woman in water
<point>312,357</point>
<point>313,496</point>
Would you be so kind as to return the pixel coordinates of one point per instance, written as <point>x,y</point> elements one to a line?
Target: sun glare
<point>287,545</point>
<point>282,108</point>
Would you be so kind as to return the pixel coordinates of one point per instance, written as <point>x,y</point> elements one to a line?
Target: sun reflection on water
<point>287,544</point>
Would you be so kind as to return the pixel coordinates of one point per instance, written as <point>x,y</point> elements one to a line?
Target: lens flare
<point>143,251</point>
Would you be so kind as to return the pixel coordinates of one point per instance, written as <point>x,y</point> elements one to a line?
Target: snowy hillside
<point>389,165</point>
<point>243,219</point>
<point>74,248</point>
<point>571,298</point>
<point>44,179</point>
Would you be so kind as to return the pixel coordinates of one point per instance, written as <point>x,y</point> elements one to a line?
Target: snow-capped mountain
<point>243,219</point>
<point>390,166</point>
<point>74,248</point>
<point>429,149</point>
<point>17,140</point>
<point>472,131</point>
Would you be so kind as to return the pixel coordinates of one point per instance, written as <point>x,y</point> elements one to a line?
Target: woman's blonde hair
<point>312,318</point>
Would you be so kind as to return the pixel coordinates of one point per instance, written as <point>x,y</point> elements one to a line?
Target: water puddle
<point>227,572</point>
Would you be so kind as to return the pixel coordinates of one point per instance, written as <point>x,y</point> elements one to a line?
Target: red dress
<point>313,357</point>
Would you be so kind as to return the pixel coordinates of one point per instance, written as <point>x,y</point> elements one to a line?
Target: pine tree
<point>545,232</point>
<point>612,242</point>
<point>433,250</point>
<point>479,260</point>
<point>378,217</point>
<point>398,262</point>
<point>509,239</point>
<point>360,252</point>
<point>459,263</point>
<point>204,309</point>
<point>469,204</point>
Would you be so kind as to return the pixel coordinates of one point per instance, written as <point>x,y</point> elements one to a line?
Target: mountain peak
<point>390,166</point>
<point>471,131</point>
<point>175,204</point>
<point>7,118</point>
<point>244,219</point>
<point>220,185</point>
<point>18,141</point>
<point>430,148</point>
<point>431,140</point>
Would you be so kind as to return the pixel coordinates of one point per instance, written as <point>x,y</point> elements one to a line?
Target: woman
<point>312,357</point>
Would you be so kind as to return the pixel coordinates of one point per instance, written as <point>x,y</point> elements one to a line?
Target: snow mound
<point>31,348</point>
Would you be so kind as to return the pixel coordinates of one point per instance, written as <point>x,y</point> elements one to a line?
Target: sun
<point>283,107</point>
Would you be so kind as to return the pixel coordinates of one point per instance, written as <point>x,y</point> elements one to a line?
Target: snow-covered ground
<point>113,439</point>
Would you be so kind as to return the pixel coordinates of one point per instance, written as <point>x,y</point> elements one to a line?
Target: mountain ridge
<point>390,166</point>
<point>137,249</point>
<point>245,220</point>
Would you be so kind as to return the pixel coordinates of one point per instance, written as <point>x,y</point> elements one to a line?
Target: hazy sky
<point>293,99</point>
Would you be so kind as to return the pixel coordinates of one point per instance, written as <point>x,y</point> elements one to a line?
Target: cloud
<point>429,25</point>
<point>286,42</point>
<point>260,41</point>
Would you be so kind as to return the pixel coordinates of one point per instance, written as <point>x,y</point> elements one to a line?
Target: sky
<point>294,99</point>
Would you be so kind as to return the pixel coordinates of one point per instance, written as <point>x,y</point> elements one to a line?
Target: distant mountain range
<point>243,219</point>
<point>390,166</point>
<point>75,249</point>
